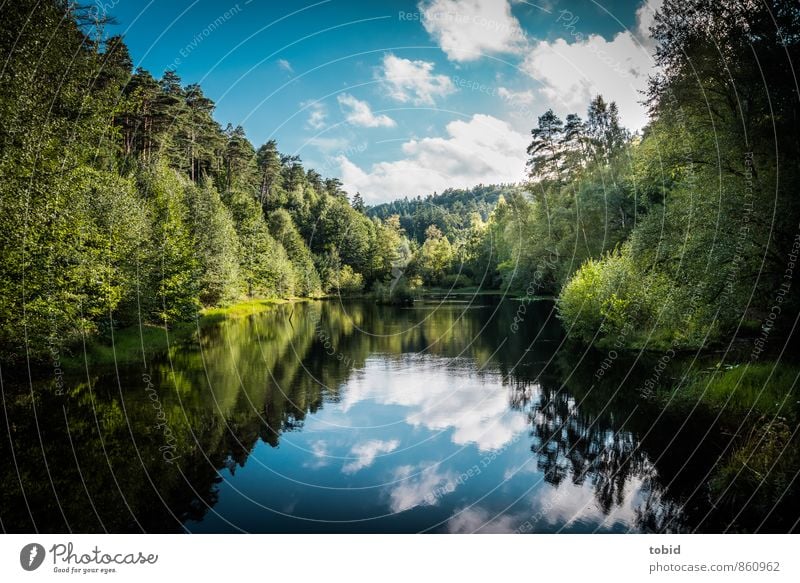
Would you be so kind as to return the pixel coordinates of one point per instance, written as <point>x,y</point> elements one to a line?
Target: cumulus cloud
<point>577,67</point>
<point>359,113</point>
<point>645,17</point>
<point>466,30</point>
<point>442,400</point>
<point>365,453</point>
<point>483,149</point>
<point>577,503</point>
<point>414,82</point>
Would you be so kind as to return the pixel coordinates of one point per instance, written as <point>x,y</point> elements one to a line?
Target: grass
<point>764,388</point>
<point>241,309</point>
<point>760,403</point>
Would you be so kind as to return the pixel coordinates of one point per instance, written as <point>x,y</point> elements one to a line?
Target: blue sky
<point>397,97</point>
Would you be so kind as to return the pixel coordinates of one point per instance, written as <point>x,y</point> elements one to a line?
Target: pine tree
<point>358,203</point>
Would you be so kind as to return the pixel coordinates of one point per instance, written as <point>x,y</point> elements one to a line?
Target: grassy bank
<point>757,409</point>
<point>767,388</point>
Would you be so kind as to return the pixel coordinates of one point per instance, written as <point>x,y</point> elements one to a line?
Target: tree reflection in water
<point>92,460</point>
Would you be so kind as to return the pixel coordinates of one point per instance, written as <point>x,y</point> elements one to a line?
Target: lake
<point>332,416</point>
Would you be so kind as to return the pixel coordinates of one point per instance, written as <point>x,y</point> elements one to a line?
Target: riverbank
<point>766,388</point>
<point>753,410</point>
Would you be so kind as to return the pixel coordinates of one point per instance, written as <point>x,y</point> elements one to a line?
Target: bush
<point>349,281</point>
<point>611,299</point>
<point>402,292</point>
<point>456,280</point>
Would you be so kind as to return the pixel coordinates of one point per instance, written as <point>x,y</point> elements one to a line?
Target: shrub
<point>610,298</point>
<point>456,280</point>
<point>580,302</point>
<point>349,281</point>
<point>401,292</point>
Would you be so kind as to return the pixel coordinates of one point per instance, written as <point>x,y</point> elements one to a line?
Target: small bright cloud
<point>316,116</point>
<point>466,30</point>
<point>475,519</point>
<point>516,97</point>
<point>416,486</point>
<point>413,81</point>
<point>481,150</point>
<point>319,451</point>
<point>359,113</point>
<point>365,454</point>
<point>285,65</point>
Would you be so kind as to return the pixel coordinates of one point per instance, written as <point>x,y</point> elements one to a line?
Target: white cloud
<point>466,30</point>
<point>413,81</point>
<point>476,519</point>
<point>442,400</point>
<point>285,65</point>
<point>317,115</point>
<point>573,70</point>
<point>577,503</point>
<point>416,486</point>
<point>365,453</point>
<point>359,113</point>
<point>516,97</point>
<point>483,149</point>
<point>645,17</point>
<point>319,451</point>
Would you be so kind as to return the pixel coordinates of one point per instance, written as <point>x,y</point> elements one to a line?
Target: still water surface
<point>353,417</point>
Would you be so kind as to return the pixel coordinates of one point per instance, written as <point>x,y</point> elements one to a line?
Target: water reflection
<point>329,417</point>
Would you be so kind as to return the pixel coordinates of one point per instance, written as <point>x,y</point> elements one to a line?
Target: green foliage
<point>348,281</point>
<point>435,257</point>
<point>307,280</point>
<point>264,265</point>
<point>456,280</point>
<point>451,210</point>
<point>348,231</point>
<point>402,291</point>
<point>612,300</point>
<point>174,268</point>
<point>712,245</point>
<point>217,245</point>
<point>124,201</point>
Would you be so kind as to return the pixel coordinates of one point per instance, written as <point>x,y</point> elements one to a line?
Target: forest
<point>684,235</point>
<point>124,200</point>
<point>621,320</point>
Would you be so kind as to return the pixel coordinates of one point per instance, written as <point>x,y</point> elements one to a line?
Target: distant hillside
<point>450,210</point>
